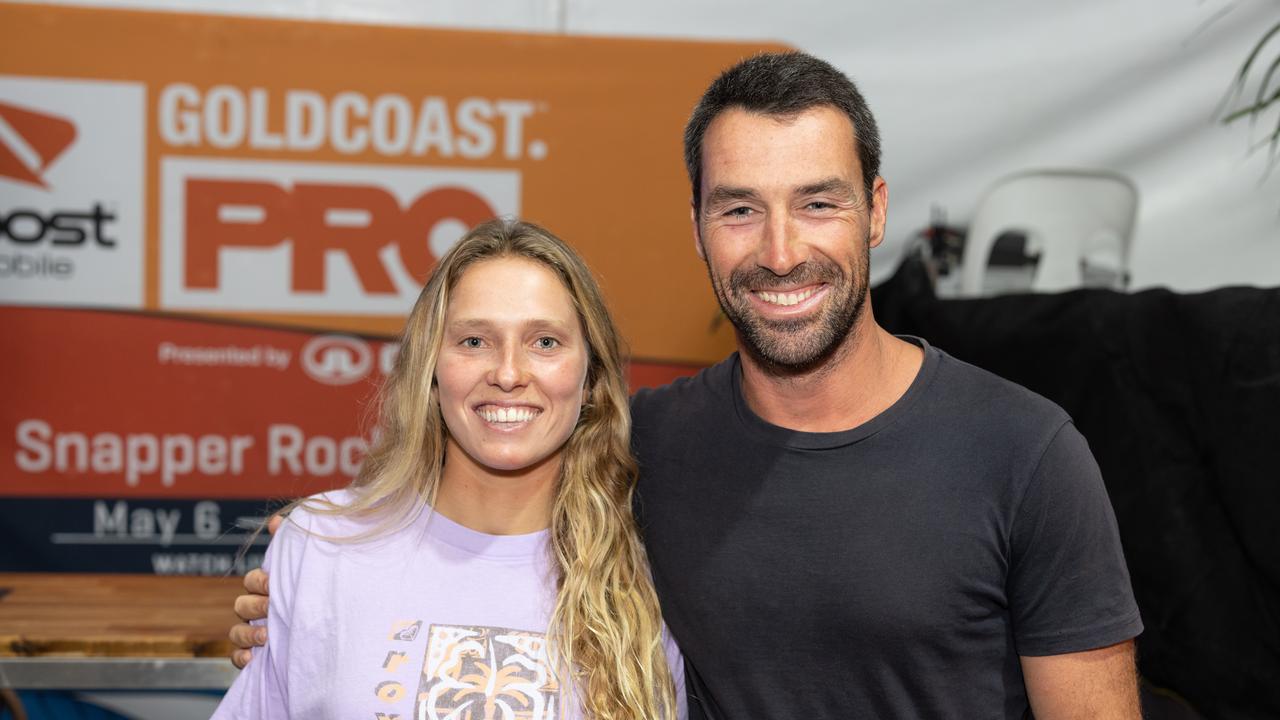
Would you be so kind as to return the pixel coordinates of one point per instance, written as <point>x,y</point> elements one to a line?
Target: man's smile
<point>787,298</point>
<point>789,303</point>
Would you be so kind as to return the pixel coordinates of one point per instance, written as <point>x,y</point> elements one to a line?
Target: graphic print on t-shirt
<point>483,673</point>
<point>406,630</point>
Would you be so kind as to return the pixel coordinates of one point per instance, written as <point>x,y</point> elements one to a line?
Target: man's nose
<point>779,252</point>
<point>511,369</point>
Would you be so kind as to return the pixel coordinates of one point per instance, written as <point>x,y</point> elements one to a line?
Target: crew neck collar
<point>786,437</point>
<point>527,545</point>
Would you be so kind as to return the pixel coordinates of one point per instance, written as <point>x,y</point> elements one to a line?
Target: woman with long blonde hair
<point>485,562</point>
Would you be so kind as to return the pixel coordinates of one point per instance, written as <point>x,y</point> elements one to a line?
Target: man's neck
<point>867,374</point>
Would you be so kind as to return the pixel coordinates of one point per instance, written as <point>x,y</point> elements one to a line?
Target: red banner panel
<point>117,404</point>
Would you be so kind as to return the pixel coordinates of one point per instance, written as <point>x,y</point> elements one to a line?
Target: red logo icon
<point>30,142</point>
<point>336,359</point>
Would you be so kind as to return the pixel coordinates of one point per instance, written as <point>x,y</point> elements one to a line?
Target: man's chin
<point>785,352</point>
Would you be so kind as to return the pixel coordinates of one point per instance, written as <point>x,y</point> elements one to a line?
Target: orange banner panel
<point>309,174</point>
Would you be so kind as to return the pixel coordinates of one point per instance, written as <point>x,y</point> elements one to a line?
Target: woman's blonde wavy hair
<point>606,628</point>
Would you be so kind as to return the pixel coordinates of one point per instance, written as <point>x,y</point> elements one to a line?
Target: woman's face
<point>512,366</point>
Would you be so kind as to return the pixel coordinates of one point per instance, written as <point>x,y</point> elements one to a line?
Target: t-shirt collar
<point>799,440</point>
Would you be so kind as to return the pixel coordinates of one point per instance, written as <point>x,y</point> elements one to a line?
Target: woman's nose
<point>510,371</point>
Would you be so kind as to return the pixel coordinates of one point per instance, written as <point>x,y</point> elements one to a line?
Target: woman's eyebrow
<point>534,323</point>
<point>468,324</point>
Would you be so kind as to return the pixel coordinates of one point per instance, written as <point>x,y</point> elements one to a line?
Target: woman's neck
<point>496,502</point>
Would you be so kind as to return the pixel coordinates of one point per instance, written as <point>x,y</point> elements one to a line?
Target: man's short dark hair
<point>784,85</point>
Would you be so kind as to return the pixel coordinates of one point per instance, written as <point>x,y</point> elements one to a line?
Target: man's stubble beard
<point>795,347</point>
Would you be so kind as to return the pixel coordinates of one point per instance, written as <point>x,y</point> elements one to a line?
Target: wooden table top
<point>83,615</point>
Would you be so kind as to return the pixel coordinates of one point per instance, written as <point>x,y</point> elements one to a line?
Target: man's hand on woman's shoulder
<point>253,606</point>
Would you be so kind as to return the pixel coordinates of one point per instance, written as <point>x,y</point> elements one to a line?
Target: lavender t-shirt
<point>431,622</point>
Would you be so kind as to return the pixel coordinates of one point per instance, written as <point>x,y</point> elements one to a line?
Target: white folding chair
<point>1078,223</point>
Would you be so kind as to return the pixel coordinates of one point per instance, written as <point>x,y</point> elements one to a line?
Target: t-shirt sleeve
<point>1068,583</point>
<point>676,662</point>
<point>261,689</point>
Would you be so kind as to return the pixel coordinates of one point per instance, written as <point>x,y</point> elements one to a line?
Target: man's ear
<point>697,232</point>
<point>879,210</point>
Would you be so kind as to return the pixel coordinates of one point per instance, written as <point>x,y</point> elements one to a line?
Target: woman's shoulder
<point>329,515</point>
<point>322,512</point>
<point>344,517</point>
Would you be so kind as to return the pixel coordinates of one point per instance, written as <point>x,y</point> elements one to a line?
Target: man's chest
<point>800,547</point>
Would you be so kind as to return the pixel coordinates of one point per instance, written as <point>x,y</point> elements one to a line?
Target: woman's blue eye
<point>471,342</point>
<point>547,343</point>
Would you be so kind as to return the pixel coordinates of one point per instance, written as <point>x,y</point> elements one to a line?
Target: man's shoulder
<point>986,401</point>
<point>687,395</point>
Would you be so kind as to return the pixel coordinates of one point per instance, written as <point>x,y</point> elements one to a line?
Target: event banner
<point>309,174</point>
<point>149,443</point>
<point>211,228</point>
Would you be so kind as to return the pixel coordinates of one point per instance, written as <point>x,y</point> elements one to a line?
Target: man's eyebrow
<point>721,194</point>
<point>830,186</point>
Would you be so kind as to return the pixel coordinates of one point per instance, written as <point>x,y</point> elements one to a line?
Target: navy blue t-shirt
<point>894,570</point>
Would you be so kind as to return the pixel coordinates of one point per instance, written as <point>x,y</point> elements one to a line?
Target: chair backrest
<point>1079,223</point>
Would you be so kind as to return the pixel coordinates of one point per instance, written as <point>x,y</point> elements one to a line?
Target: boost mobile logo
<point>72,192</point>
<point>30,142</point>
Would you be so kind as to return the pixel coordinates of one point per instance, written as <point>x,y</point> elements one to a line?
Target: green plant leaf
<point>1266,80</point>
<point>1254,109</point>
<point>1257,49</point>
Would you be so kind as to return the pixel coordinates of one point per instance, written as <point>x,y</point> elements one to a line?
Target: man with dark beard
<point>842,523</point>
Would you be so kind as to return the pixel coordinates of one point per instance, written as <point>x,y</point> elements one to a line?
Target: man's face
<point>785,228</point>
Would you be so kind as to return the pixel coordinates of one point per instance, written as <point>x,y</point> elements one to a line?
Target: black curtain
<point>1179,397</point>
